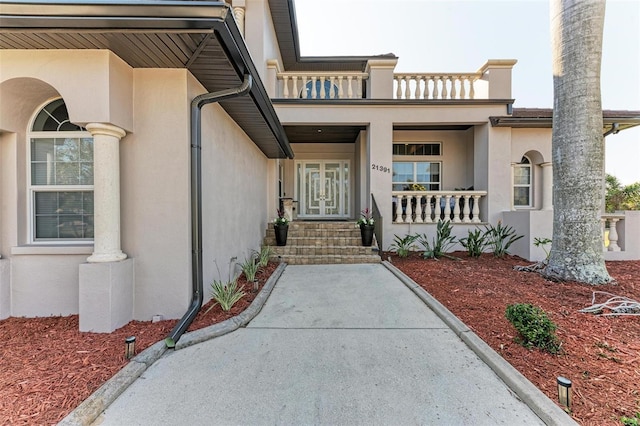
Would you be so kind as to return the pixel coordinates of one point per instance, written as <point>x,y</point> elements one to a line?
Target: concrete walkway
<point>333,345</point>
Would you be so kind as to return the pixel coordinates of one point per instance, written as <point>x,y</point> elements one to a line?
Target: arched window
<point>307,90</point>
<point>522,179</point>
<point>60,177</point>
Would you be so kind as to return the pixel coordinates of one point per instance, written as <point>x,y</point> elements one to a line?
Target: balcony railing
<point>432,206</point>
<point>292,85</point>
<point>435,86</point>
<point>612,219</point>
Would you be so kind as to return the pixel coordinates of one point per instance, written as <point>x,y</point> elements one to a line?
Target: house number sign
<point>379,168</point>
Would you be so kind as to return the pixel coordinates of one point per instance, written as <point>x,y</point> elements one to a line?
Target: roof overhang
<point>201,36</point>
<point>532,118</point>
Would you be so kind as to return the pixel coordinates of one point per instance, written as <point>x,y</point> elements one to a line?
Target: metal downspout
<point>196,202</point>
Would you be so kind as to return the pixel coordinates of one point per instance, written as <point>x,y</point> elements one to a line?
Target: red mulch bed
<point>600,355</point>
<point>48,367</point>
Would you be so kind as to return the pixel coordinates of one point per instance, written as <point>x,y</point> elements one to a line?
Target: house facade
<point>145,146</point>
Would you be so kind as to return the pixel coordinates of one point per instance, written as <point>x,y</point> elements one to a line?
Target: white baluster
<point>349,87</point>
<point>419,209</point>
<point>332,92</point>
<point>323,91</point>
<point>456,209</point>
<point>407,87</point>
<point>476,209</point>
<point>453,80</point>
<point>462,92</point>
<point>444,87</point>
<point>340,82</point>
<point>472,92</point>
<point>409,217</point>
<point>314,92</point>
<point>447,207</point>
<point>416,93</point>
<point>466,199</point>
<point>295,85</point>
<point>285,86</point>
<point>434,91</point>
<point>399,209</point>
<point>398,88</point>
<point>427,210</point>
<point>438,209</point>
<point>613,235</point>
<point>304,91</point>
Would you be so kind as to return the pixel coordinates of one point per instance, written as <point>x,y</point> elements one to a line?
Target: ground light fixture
<point>564,391</point>
<point>130,347</point>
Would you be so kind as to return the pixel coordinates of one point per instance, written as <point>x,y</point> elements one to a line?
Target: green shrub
<point>441,244</point>
<point>226,294</point>
<point>631,421</point>
<point>534,326</point>
<point>263,255</point>
<point>402,246</point>
<point>475,243</point>
<point>250,268</point>
<point>500,238</point>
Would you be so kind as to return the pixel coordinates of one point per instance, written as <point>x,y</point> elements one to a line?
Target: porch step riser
<point>327,260</point>
<point>322,251</point>
<point>317,241</point>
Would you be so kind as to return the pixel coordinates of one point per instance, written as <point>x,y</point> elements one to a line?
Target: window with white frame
<point>412,175</point>
<point>60,178</point>
<point>522,183</point>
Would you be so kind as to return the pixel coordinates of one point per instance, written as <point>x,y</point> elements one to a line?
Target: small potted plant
<point>366,227</point>
<point>281,227</point>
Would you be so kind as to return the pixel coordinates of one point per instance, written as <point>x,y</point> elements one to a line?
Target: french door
<point>322,188</point>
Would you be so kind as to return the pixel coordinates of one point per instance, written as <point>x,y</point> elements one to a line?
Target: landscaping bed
<point>49,367</point>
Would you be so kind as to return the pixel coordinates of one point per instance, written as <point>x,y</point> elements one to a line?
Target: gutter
<point>197,288</point>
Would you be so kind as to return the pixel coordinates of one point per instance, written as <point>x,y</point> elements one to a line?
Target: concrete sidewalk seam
<point>89,409</point>
<point>542,406</point>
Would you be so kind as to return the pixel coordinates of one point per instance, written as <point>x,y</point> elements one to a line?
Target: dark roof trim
<point>151,16</point>
<point>396,102</point>
<point>531,118</point>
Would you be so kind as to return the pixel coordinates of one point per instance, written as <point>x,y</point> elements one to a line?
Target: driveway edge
<point>89,409</point>
<point>545,408</point>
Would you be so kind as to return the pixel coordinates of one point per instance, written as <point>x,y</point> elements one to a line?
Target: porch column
<point>547,186</point>
<point>106,192</point>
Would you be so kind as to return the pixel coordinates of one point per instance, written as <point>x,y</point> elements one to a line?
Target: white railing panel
<point>297,85</point>
<point>432,206</point>
<point>612,220</point>
<point>435,86</point>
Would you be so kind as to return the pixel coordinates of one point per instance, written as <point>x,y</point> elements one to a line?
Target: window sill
<point>53,249</point>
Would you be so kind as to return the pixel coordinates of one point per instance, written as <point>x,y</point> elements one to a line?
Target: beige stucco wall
<point>260,35</point>
<point>153,106</point>
<point>74,74</point>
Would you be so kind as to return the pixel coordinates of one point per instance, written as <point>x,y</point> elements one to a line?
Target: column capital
<point>105,129</point>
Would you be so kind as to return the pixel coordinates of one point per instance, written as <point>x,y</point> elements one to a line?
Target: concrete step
<point>327,259</point>
<point>322,243</point>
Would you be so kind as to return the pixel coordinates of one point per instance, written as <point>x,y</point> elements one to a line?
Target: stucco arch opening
<point>535,157</point>
<point>20,97</point>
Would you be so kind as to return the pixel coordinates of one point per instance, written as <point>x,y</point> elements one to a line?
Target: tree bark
<point>578,143</point>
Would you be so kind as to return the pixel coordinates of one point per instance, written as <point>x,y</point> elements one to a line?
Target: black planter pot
<point>366,234</point>
<point>281,234</point>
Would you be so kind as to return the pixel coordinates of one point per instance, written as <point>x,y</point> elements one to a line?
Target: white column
<point>547,186</point>
<point>238,13</point>
<point>106,192</point>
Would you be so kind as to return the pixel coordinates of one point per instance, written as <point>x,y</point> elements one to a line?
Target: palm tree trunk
<point>578,145</point>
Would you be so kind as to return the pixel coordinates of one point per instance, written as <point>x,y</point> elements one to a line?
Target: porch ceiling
<point>201,36</point>
<point>323,134</point>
